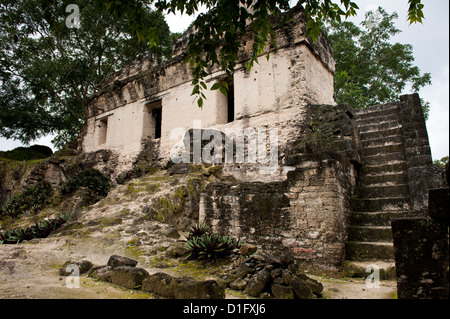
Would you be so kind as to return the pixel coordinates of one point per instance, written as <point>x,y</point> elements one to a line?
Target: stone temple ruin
<point>310,178</point>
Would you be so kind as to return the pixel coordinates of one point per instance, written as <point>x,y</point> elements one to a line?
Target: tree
<point>225,20</point>
<point>370,69</point>
<point>442,162</point>
<point>48,70</point>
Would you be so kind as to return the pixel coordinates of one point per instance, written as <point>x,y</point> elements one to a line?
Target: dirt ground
<point>31,271</point>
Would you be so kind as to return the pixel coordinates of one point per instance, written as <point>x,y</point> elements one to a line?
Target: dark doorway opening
<point>157,115</point>
<point>230,101</point>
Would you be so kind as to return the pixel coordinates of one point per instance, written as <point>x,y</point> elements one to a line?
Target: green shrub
<point>31,200</point>
<point>202,244</point>
<point>90,178</point>
<point>39,230</point>
<point>27,153</point>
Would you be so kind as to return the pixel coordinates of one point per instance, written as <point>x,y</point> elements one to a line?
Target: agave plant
<point>211,246</point>
<point>39,230</point>
<point>90,178</point>
<point>198,230</point>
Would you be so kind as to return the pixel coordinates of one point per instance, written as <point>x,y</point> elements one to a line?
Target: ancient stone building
<point>309,178</point>
<point>336,176</point>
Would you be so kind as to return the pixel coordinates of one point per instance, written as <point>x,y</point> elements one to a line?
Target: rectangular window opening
<point>102,130</point>
<point>153,120</point>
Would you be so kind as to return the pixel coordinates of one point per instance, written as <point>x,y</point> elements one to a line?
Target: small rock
<point>128,277</point>
<point>248,249</point>
<point>238,284</point>
<point>265,295</point>
<point>282,292</point>
<point>118,261</point>
<point>269,268</point>
<point>83,266</point>
<point>257,283</point>
<point>177,250</point>
<point>102,273</point>
<point>300,290</point>
<point>242,271</point>
<point>286,275</point>
<point>182,287</point>
<point>271,259</point>
<point>315,286</point>
<point>256,258</point>
<point>276,273</point>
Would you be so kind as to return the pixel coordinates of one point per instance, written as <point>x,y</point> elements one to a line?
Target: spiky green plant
<point>40,230</point>
<point>90,178</point>
<point>211,246</point>
<point>198,230</point>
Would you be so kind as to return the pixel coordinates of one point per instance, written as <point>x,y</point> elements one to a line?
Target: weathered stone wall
<point>421,173</point>
<point>304,213</point>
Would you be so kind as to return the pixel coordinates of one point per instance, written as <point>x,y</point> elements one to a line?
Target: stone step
<point>395,167</point>
<point>387,191</point>
<point>376,218</point>
<point>375,108</point>
<point>371,114</point>
<point>362,269</point>
<point>379,120</point>
<point>374,128</point>
<point>369,251</point>
<point>370,233</point>
<point>381,150</point>
<point>382,141</point>
<point>380,204</point>
<point>383,179</point>
<point>383,159</point>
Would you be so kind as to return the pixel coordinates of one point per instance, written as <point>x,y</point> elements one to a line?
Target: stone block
<point>421,258</point>
<point>117,261</point>
<point>128,277</point>
<point>182,287</point>
<point>438,205</point>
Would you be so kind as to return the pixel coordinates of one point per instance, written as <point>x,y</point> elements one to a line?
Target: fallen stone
<point>118,261</point>
<point>102,273</point>
<point>257,283</point>
<point>83,266</point>
<point>248,249</point>
<point>300,289</point>
<point>167,286</point>
<point>276,273</point>
<point>177,250</point>
<point>128,277</point>
<point>315,286</point>
<point>242,271</point>
<point>238,284</point>
<point>282,292</point>
<point>188,288</point>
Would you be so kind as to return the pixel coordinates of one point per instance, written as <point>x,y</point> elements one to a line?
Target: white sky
<point>431,51</point>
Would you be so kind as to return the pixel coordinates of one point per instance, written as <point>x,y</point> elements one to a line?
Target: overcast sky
<point>431,51</point>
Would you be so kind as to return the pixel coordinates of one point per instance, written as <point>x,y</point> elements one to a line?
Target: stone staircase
<point>382,190</point>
